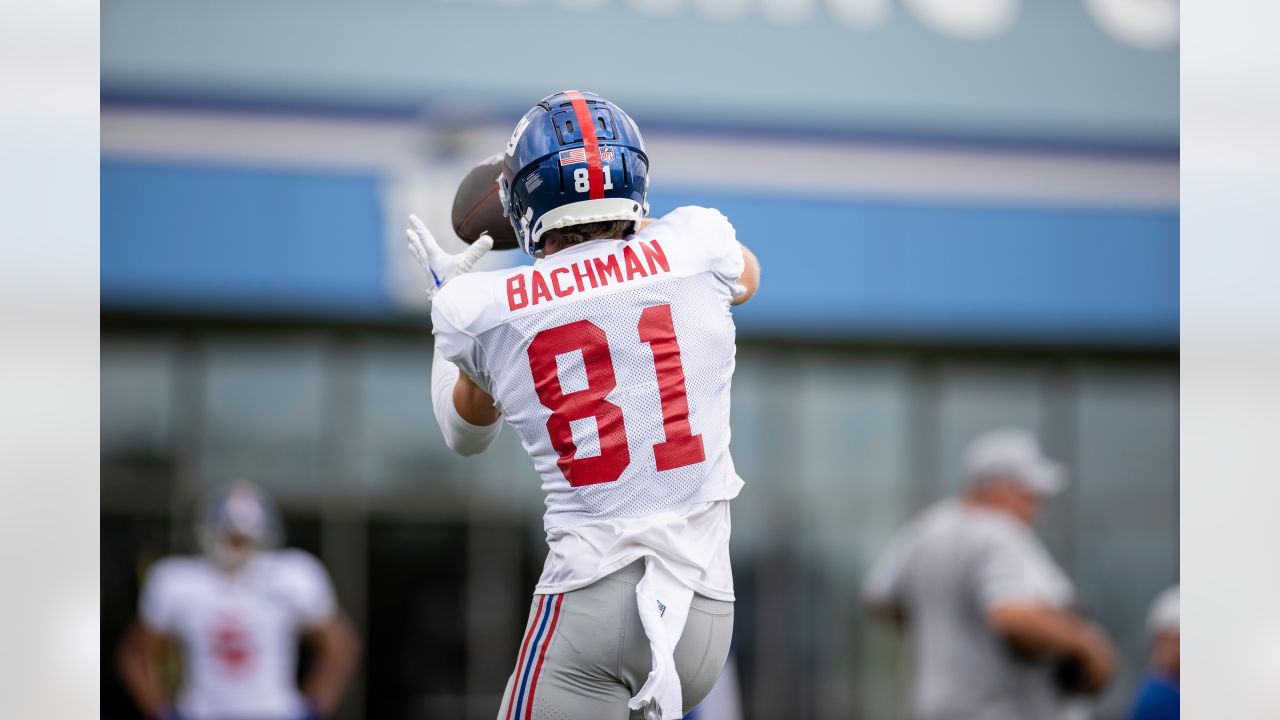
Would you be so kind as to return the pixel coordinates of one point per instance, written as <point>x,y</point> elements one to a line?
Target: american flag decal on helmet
<point>569,157</point>
<point>579,155</point>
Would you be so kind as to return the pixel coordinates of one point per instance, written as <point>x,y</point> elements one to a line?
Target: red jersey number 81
<point>657,329</point>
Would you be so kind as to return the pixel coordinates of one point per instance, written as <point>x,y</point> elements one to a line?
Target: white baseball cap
<point>1014,454</point>
<point>1166,612</point>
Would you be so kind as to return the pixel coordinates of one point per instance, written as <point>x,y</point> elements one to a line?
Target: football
<point>477,208</point>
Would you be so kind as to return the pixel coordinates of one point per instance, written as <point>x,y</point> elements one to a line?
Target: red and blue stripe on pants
<point>539,634</point>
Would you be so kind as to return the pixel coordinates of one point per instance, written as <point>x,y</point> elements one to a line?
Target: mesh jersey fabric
<point>595,315</point>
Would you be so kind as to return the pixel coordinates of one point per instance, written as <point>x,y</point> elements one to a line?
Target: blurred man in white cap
<point>988,610</point>
<point>237,612</point>
<point>1159,697</point>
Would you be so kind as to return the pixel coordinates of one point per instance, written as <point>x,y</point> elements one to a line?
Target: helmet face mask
<point>573,158</point>
<point>235,522</point>
<point>231,552</point>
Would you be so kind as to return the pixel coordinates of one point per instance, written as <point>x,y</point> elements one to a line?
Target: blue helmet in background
<point>574,158</point>
<point>235,520</point>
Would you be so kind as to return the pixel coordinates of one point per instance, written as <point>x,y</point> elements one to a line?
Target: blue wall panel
<point>243,240</point>
<point>911,269</point>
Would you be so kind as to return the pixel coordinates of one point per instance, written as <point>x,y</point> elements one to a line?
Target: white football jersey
<point>612,360</point>
<point>238,632</point>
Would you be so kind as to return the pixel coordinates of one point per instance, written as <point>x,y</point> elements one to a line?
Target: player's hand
<point>441,266</point>
<point>1098,660</point>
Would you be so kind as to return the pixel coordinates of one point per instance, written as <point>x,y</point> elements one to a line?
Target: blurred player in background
<point>1158,699</point>
<point>238,611</point>
<point>611,357</point>
<point>987,608</point>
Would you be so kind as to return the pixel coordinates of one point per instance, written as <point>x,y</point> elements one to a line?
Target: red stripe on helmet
<point>590,143</point>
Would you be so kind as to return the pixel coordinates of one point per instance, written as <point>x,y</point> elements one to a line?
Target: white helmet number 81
<point>582,179</point>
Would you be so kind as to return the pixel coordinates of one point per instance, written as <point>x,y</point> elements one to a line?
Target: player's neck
<point>552,247</point>
<point>231,570</point>
<point>994,503</point>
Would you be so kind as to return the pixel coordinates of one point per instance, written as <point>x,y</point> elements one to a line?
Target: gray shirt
<point>946,569</point>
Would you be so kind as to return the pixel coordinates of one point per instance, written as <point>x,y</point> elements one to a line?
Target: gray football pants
<point>584,653</point>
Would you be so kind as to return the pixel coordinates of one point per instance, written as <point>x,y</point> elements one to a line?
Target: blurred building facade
<point>964,222</point>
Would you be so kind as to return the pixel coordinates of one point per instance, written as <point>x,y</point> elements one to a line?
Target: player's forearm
<point>1040,629</point>
<point>144,689</point>
<point>887,610</point>
<point>466,415</point>
<point>337,656</point>
<point>136,673</point>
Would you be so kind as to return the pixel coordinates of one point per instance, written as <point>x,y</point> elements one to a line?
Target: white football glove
<point>440,265</point>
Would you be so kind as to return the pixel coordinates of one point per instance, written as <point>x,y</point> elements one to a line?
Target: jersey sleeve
<point>453,339</point>
<point>714,242</point>
<point>158,602</point>
<point>310,590</point>
<point>1015,568</point>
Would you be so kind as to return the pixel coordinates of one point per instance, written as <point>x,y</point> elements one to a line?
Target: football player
<point>990,613</point>
<point>237,611</point>
<point>611,357</point>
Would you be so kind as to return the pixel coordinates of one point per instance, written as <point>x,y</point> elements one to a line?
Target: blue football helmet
<point>574,158</point>
<point>236,519</point>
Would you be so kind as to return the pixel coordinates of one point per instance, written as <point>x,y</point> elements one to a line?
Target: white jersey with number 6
<point>613,360</point>
<point>238,631</point>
